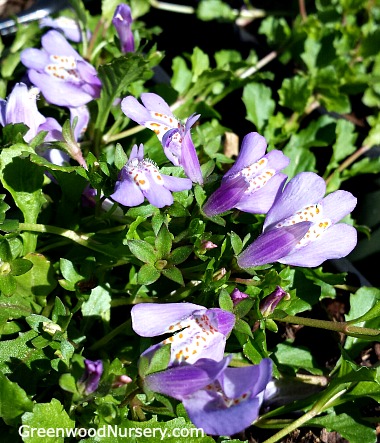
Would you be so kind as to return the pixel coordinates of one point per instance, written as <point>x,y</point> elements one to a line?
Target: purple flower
<point>198,332</point>
<point>269,303</point>
<point>67,25</point>
<point>218,399</point>
<point>89,381</point>
<point>253,182</point>
<point>122,20</point>
<point>21,107</point>
<point>237,296</point>
<point>62,75</point>
<point>174,136</point>
<point>301,228</point>
<point>141,178</point>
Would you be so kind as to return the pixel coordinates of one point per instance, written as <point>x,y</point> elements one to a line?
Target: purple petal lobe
<point>252,149</point>
<point>176,184</point>
<point>127,192</point>
<point>304,189</point>
<point>226,197</point>
<point>149,320</point>
<point>260,201</point>
<point>336,242</point>
<point>272,245</point>
<point>189,160</point>
<point>338,204</point>
<point>122,20</point>
<point>135,110</point>
<point>154,102</point>
<point>55,43</point>
<point>225,320</point>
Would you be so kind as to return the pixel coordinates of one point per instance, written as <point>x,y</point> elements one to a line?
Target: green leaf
<point>236,243</point>
<point>98,304</point>
<point>47,416</point>
<point>225,301</point>
<point>20,266</point>
<point>160,359</point>
<point>163,242</point>
<point>13,400</point>
<point>143,251</point>
<point>121,157</point>
<point>295,92</point>
<point>3,208</point>
<point>8,285</point>
<point>39,280</point>
<point>259,104</point>
<point>174,274</point>
<point>116,77</point>
<point>182,76</point>
<point>179,255</point>
<point>296,357</point>
<point>59,311</point>
<point>215,9</point>
<point>243,327</point>
<point>200,63</point>
<point>148,274</point>
<point>352,428</point>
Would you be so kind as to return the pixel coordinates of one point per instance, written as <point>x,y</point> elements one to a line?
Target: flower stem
<point>260,64</point>
<point>183,9</point>
<point>104,340</point>
<point>343,327</point>
<point>351,159</point>
<point>81,239</point>
<point>127,133</point>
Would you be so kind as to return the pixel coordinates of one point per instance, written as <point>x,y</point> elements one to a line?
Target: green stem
<point>351,159</point>
<point>343,327</point>
<point>172,7</point>
<point>107,338</point>
<point>127,133</point>
<point>260,64</point>
<point>81,239</point>
<point>319,406</point>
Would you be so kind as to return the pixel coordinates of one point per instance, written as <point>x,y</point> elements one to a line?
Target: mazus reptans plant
<point>302,228</point>
<point>198,332</point>
<point>174,135</point>
<point>218,399</point>
<point>140,179</point>
<point>253,182</point>
<point>62,75</point>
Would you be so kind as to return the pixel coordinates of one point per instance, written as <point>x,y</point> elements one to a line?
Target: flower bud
<point>269,303</point>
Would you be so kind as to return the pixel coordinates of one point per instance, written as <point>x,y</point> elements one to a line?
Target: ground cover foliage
<point>74,262</point>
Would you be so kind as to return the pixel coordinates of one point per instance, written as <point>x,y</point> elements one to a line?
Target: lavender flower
<point>200,332</point>
<point>218,399</point>
<point>269,303</point>
<point>174,136</point>
<point>21,107</point>
<point>253,182</point>
<point>237,296</point>
<point>141,178</point>
<point>67,25</point>
<point>62,75</point>
<point>89,381</point>
<point>122,20</point>
<point>301,228</point>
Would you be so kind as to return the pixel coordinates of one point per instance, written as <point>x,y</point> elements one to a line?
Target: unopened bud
<point>237,296</point>
<point>269,303</point>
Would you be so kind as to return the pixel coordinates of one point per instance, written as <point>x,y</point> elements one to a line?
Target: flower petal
<point>54,132</point>
<point>252,149</point>
<point>135,110</point>
<point>83,115</point>
<point>226,197</point>
<point>157,195</point>
<point>191,120</point>
<point>206,412</point>
<point>336,242</point>
<point>272,245</point>
<point>237,381</point>
<point>155,103</point>
<point>122,20</point>
<point>151,319</point>
<point>59,92</point>
<point>304,189</point>
<point>55,43</point>
<point>276,160</point>
<point>176,184</point>
<point>260,201</point>
<point>337,205</point>
<point>181,381</point>
<point>189,160</point>
<point>224,320</point>
<point>126,191</point>
<point>34,58</point>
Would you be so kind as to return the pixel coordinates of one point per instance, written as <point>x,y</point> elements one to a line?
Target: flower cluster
<point>218,399</point>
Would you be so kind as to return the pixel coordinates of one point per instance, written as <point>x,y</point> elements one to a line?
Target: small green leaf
<point>236,243</point>
<point>259,104</point>
<point>148,274</point>
<point>160,359</point>
<point>174,274</point>
<point>243,327</point>
<point>143,251</point>
<point>13,400</point>
<point>20,266</point>
<point>121,157</point>
<point>163,242</point>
